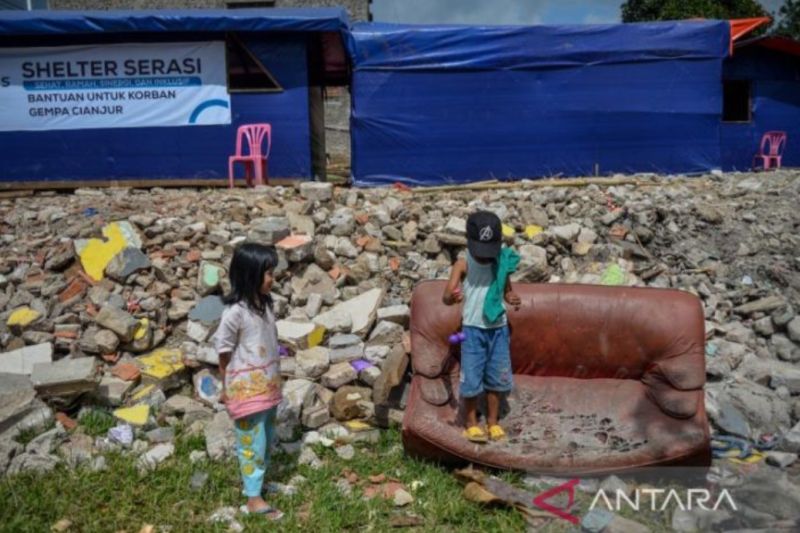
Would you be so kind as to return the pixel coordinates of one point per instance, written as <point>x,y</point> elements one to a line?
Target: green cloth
<point>506,263</point>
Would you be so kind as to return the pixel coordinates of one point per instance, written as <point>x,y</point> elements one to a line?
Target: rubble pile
<point>109,299</point>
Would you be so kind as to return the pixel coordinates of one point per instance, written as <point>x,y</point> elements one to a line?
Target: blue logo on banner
<point>205,105</point>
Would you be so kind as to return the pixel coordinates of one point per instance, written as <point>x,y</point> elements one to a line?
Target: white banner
<point>113,86</point>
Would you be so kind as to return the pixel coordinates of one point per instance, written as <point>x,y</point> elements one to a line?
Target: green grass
<point>97,422</point>
<point>119,499</point>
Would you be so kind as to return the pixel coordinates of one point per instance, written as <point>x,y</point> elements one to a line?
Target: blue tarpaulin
<point>774,78</point>
<point>165,20</point>
<point>282,40</point>
<point>453,104</point>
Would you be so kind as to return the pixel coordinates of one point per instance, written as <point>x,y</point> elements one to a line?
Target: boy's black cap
<point>484,235</point>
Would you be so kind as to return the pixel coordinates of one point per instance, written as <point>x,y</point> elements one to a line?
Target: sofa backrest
<point>580,331</point>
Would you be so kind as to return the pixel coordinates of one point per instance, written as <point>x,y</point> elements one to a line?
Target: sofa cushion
<point>562,425</point>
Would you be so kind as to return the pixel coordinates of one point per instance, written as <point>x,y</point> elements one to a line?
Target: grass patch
<point>97,422</point>
<point>119,499</point>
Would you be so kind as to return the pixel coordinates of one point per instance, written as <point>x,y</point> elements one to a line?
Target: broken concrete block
<point>317,191</point>
<point>393,370</point>
<point>112,390</point>
<point>22,360</point>
<point>209,276</point>
<point>207,386</point>
<point>399,314</point>
<point>313,305</point>
<point>95,254</point>
<point>138,415</point>
<point>197,331</point>
<point>386,333</point>
<point>347,402</point>
<point>297,393</point>
<point>268,230</point>
<point>125,263</point>
<point>362,310</point>
<point>105,341</point>
<point>300,335</point>
<point>345,348</point>
<point>118,321</point>
<point>155,456</point>
<point>208,310</point>
<point>369,375</point>
<point>338,375</point>
<point>220,437</point>
<point>297,248</point>
<point>316,417</point>
<point>163,367</point>
<point>313,362</point>
<point>335,321</point>
<point>160,435</point>
<point>65,377</point>
<point>16,399</point>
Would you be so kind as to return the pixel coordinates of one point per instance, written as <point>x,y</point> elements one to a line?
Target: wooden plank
<point>132,183</point>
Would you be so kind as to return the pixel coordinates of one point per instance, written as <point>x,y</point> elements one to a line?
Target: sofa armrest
<point>684,372</point>
<point>432,323</point>
<point>676,384</point>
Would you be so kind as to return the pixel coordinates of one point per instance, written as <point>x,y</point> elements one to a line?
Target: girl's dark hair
<point>250,261</point>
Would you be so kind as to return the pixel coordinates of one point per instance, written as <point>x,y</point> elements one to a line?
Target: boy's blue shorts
<point>485,361</point>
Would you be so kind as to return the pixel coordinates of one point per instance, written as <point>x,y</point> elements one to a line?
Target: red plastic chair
<point>254,160</point>
<point>777,142</point>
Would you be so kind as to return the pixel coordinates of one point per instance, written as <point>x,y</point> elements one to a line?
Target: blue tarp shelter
<point>454,104</point>
<point>769,69</point>
<point>299,50</point>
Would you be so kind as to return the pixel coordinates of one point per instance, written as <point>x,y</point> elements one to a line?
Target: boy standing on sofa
<point>485,352</point>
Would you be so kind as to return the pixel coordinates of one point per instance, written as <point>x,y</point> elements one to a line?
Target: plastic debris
<point>121,434</point>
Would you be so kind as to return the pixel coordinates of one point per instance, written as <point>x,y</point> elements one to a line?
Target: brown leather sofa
<point>606,379</point>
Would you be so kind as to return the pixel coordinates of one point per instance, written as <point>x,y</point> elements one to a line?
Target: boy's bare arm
<point>510,296</point>
<point>451,293</point>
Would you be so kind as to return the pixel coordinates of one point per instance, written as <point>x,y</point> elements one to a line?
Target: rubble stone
<point>338,375</point>
<point>313,362</point>
<point>22,360</point>
<point>65,377</point>
<point>118,321</point>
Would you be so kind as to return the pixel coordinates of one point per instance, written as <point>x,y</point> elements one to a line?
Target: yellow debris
<point>136,415</point>
<point>23,317</point>
<point>141,329</point>
<point>162,363</point>
<point>508,231</point>
<point>95,254</point>
<point>316,336</point>
<point>357,425</point>
<point>144,392</point>
<point>533,230</point>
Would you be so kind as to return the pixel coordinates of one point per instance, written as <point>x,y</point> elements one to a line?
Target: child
<point>485,354</point>
<point>247,343</point>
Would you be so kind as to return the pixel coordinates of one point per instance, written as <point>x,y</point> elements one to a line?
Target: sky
<point>505,11</point>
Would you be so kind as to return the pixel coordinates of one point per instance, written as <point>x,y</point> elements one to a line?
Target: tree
<point>651,10</point>
<point>789,23</point>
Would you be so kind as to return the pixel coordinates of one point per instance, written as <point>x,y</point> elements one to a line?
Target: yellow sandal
<point>496,432</point>
<point>475,434</point>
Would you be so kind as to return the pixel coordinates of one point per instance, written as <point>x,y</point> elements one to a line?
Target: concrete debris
<point>126,310</point>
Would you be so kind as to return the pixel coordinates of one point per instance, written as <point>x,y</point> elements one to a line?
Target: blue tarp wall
<point>453,104</point>
<point>281,44</point>
<point>775,96</point>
